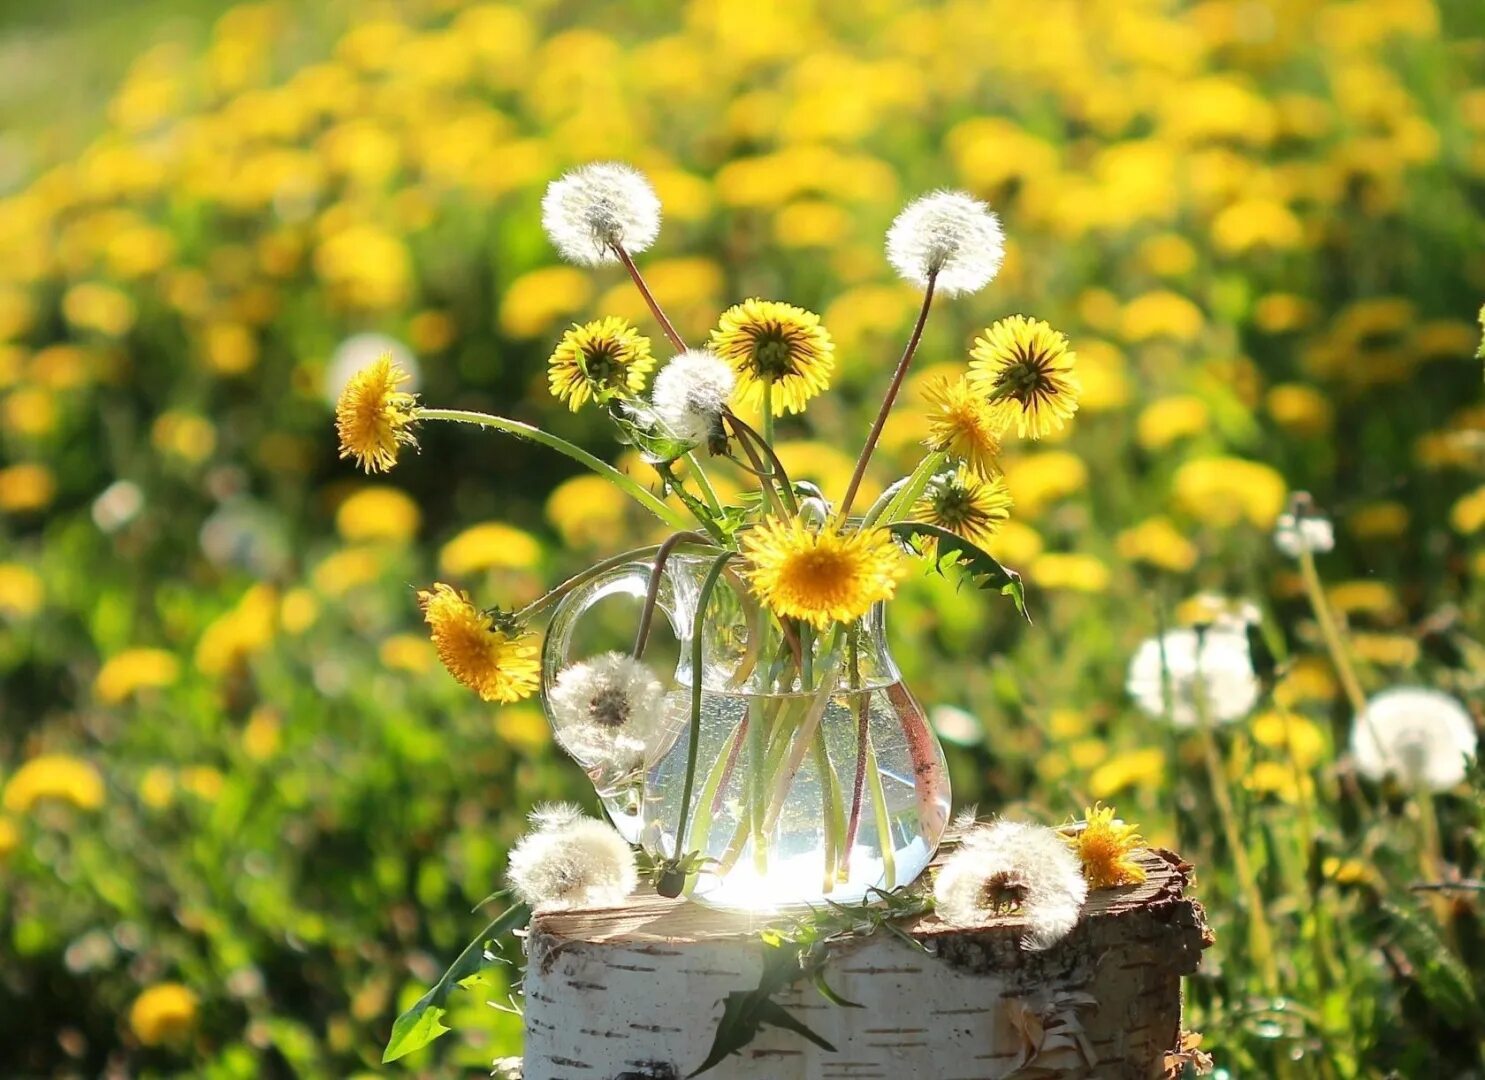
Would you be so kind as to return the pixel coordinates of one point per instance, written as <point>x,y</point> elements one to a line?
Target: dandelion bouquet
<point>787,762</point>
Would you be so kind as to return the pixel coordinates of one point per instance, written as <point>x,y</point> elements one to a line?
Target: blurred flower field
<point>243,812</point>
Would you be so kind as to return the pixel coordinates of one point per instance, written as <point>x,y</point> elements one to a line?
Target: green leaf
<point>1443,980</point>
<point>829,994</point>
<point>744,1012</point>
<point>984,570</point>
<point>423,1021</point>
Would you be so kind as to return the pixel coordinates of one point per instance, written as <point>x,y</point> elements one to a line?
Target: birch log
<point>635,993</point>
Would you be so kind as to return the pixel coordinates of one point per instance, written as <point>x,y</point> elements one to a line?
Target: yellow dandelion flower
<point>164,1013</point>
<point>373,418</point>
<point>1106,848</point>
<point>56,777</point>
<point>599,361</point>
<point>133,670</point>
<point>491,657</point>
<point>965,505</point>
<point>823,577</point>
<point>779,345</point>
<point>962,424</point>
<point>1024,368</point>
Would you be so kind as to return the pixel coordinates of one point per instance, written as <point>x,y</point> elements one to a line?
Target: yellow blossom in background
<point>26,488</point>
<point>1297,738</point>
<point>132,670</point>
<point>524,728</point>
<point>202,781</point>
<point>962,424</point>
<point>184,435</point>
<point>163,1014</point>
<point>239,633</point>
<point>98,307</point>
<point>1037,480</point>
<point>262,735</point>
<point>821,578</point>
<point>1157,542</point>
<point>1105,377</point>
<point>1350,871</point>
<point>408,652</point>
<point>298,610</point>
<point>30,412</point>
<point>598,361</point>
<point>1168,255</point>
<point>1161,314</point>
<point>1171,419</point>
<point>1016,544</point>
<point>778,345</point>
<point>1389,650</point>
<point>1025,371</point>
<point>373,418</point>
<point>1365,597</point>
<point>10,837</point>
<point>1070,571</point>
<point>347,569</point>
<point>1386,520</point>
<point>1256,223</point>
<point>1105,846</point>
<point>823,464</point>
<point>496,661</point>
<point>1300,409</point>
<point>1309,678</point>
<point>378,513</point>
<point>1223,491</point>
<point>1468,513</point>
<point>22,592</point>
<point>1132,768</point>
<point>537,300</point>
<point>587,510</point>
<point>57,777</point>
<point>489,545</point>
<point>1281,313</point>
<point>157,787</point>
<point>1279,780</point>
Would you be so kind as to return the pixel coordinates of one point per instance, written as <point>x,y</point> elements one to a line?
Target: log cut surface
<point>635,992</point>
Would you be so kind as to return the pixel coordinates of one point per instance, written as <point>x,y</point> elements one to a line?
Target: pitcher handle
<point>630,579</point>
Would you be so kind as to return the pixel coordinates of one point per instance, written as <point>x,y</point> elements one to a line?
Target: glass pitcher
<point>816,775</point>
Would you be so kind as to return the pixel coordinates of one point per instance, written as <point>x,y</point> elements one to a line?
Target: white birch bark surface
<point>635,993</point>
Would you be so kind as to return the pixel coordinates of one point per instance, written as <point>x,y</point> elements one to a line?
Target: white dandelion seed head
<point>588,210</point>
<point>358,352</point>
<point>1295,535</point>
<point>553,815</point>
<point>1210,668</point>
<point>690,393</point>
<point>1423,737</point>
<point>1007,863</point>
<point>578,862</point>
<point>609,712</point>
<point>949,234</point>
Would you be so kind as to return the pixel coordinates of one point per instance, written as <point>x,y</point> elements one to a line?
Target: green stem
<point>698,628</point>
<point>778,475</point>
<point>692,503</point>
<point>704,482</point>
<point>1330,631</point>
<point>833,811</point>
<point>901,505</point>
<point>701,823</point>
<point>879,813</point>
<point>624,483</point>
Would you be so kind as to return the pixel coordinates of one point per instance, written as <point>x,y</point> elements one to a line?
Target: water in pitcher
<point>838,808</point>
